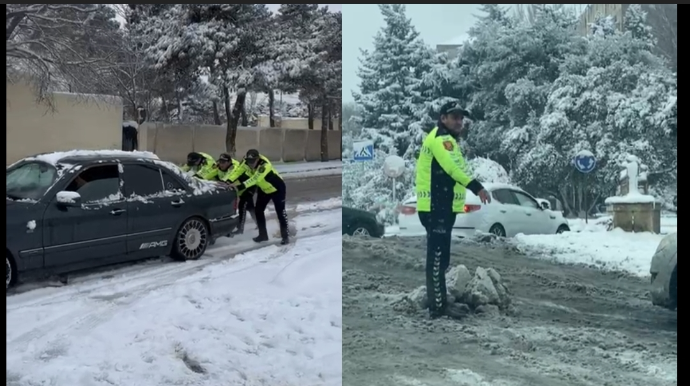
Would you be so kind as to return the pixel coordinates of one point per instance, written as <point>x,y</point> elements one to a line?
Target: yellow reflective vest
<point>257,177</point>
<point>441,175</point>
<point>206,171</point>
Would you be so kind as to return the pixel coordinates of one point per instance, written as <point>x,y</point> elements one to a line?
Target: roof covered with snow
<point>456,41</point>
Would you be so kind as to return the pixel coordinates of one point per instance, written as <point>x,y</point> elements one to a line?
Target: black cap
<point>454,108</point>
<point>225,157</point>
<point>252,154</point>
<point>193,158</point>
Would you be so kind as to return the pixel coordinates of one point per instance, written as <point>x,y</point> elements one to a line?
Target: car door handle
<point>177,202</point>
<point>552,217</point>
<point>117,212</point>
<point>529,214</point>
<point>503,211</point>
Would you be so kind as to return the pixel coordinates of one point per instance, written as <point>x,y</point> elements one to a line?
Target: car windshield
<point>30,180</point>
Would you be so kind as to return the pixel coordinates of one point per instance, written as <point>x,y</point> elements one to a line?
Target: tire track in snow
<point>77,323</point>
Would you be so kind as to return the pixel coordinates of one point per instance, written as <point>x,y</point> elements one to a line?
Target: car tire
<point>10,273</point>
<point>361,230</point>
<point>562,229</point>
<point>498,230</point>
<point>191,240</point>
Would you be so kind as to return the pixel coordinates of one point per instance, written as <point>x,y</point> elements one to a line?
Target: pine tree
<point>389,76</point>
<point>636,23</point>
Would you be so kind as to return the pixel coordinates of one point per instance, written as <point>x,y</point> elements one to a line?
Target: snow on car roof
<point>55,157</point>
<point>498,185</point>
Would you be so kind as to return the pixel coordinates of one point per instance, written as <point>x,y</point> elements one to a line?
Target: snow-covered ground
<point>590,244</point>
<point>310,169</point>
<point>267,316</point>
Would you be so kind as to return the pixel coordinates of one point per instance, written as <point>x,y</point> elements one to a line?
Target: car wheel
<point>360,230</point>
<point>563,228</point>
<point>10,273</point>
<point>498,230</point>
<point>191,240</point>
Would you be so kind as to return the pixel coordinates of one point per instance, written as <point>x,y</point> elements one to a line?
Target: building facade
<point>662,18</point>
<point>452,50</point>
<point>595,11</point>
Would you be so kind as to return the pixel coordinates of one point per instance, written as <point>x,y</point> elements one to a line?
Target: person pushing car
<point>270,187</point>
<point>441,182</point>
<point>231,170</point>
<point>200,165</point>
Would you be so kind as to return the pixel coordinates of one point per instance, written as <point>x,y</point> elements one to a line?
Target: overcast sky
<point>436,23</point>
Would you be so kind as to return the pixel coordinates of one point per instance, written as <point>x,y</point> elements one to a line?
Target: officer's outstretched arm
<point>448,157</point>
<point>259,176</point>
<point>208,173</point>
<point>237,171</point>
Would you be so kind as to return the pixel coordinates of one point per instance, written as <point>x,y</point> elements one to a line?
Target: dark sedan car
<point>357,222</point>
<point>78,210</point>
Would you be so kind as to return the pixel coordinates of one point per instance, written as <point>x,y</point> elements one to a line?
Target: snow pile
<point>482,293</point>
<point>631,198</point>
<point>132,124</point>
<point>614,251</point>
<point>331,203</point>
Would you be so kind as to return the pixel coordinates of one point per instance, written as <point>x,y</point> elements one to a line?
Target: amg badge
<point>154,244</point>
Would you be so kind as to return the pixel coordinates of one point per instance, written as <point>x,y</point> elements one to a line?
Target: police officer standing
<point>441,183</point>
<point>271,187</point>
<point>230,170</point>
<point>200,165</point>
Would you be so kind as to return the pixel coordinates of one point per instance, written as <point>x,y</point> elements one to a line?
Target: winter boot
<point>260,238</point>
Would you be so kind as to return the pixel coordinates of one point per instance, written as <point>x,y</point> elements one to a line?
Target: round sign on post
<point>584,161</point>
<point>393,166</point>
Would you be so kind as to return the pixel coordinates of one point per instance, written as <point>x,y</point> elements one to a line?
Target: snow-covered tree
<point>58,46</point>
<point>635,23</point>
<point>389,76</point>
<point>615,100</point>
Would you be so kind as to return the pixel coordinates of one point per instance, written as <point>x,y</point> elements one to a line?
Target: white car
<point>511,211</point>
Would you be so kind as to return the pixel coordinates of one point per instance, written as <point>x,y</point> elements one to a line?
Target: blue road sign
<point>584,161</point>
<point>363,150</point>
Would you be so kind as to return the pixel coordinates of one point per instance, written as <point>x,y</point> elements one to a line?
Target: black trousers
<point>439,227</point>
<point>278,198</point>
<point>246,204</point>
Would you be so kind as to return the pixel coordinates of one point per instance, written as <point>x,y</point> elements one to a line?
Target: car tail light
<point>471,208</point>
<point>407,210</point>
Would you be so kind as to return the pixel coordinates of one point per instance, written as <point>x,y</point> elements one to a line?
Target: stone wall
<point>172,142</point>
<point>75,121</point>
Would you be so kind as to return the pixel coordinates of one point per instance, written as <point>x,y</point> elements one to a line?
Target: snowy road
<point>572,325</point>
<point>267,316</point>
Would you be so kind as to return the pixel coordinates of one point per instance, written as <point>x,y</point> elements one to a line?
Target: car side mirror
<point>544,206</point>
<point>68,199</point>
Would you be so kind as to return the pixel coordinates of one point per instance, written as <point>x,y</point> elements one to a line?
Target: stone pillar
<point>634,210</point>
<point>636,217</point>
